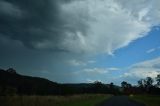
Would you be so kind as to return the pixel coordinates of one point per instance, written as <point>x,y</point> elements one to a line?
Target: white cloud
<point>113,69</point>
<point>150,50</point>
<point>75,62</point>
<point>153,50</point>
<point>142,73</point>
<point>91,61</point>
<point>109,24</point>
<point>95,70</point>
<point>144,69</point>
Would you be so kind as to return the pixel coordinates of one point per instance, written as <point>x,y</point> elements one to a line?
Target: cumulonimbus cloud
<point>81,26</point>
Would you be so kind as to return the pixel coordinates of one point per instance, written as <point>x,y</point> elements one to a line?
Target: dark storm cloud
<point>50,65</point>
<point>28,25</point>
<point>36,23</point>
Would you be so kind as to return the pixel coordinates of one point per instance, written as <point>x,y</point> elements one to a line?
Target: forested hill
<point>10,81</point>
<point>13,83</point>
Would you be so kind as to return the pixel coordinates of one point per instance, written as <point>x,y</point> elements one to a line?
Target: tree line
<point>148,85</point>
<point>12,83</point>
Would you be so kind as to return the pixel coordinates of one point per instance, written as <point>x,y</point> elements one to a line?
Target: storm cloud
<point>37,24</point>
<point>92,26</point>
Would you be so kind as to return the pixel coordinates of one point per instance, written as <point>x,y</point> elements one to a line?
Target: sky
<point>81,41</point>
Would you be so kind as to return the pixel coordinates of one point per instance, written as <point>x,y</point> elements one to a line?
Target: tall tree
<point>124,84</point>
<point>158,79</point>
<point>149,81</point>
<point>111,85</point>
<point>141,83</point>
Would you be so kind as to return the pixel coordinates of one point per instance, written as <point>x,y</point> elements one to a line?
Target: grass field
<point>149,100</point>
<point>76,100</point>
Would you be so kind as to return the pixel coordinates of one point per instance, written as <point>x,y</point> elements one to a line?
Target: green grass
<point>149,100</point>
<point>76,100</point>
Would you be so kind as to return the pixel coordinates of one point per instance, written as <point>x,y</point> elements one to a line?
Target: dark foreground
<point>120,101</point>
<point>74,100</point>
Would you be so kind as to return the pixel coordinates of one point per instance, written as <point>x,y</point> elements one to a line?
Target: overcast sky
<point>73,41</point>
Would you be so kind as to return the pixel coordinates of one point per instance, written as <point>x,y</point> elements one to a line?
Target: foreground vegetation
<point>149,100</point>
<point>76,100</point>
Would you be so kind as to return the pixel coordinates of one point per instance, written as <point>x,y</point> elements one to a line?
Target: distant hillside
<point>26,84</point>
<point>13,83</point>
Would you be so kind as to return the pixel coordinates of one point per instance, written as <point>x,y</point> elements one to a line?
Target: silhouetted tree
<point>124,84</point>
<point>141,83</point>
<point>111,85</point>
<point>148,84</point>
<point>158,80</point>
<point>97,86</point>
<point>127,88</point>
<point>149,81</point>
<point>113,89</point>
